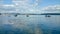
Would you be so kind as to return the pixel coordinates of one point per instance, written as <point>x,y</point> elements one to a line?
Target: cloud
<point>7,5</point>
<point>52,8</point>
<point>7,8</point>
<point>26,5</point>
<point>21,6</point>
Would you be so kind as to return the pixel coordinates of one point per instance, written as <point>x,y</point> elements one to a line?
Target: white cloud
<point>26,4</point>
<point>21,6</point>
<point>8,5</point>
<point>52,8</point>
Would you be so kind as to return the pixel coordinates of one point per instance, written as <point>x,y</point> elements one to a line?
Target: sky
<point>37,5</point>
<point>7,1</point>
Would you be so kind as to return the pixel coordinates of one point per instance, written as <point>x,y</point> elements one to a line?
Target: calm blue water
<point>30,25</point>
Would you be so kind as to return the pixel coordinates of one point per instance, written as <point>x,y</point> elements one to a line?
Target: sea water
<point>34,24</point>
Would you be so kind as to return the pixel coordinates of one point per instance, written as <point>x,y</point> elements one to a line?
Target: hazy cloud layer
<point>22,6</point>
<point>52,8</point>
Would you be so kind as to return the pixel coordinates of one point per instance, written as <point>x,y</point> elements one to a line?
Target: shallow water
<point>30,25</point>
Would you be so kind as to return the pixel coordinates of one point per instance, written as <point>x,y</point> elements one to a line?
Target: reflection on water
<point>30,25</point>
